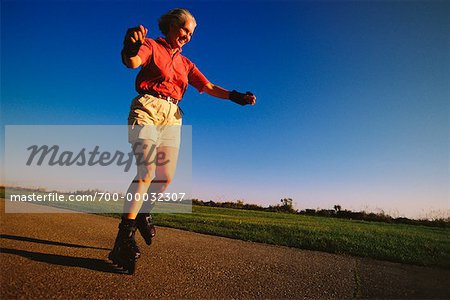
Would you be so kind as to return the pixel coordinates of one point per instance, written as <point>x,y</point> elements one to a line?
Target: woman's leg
<point>165,173</point>
<point>126,252</point>
<point>145,152</point>
<point>163,177</point>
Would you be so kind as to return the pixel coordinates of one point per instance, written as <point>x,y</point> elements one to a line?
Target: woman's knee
<point>145,173</point>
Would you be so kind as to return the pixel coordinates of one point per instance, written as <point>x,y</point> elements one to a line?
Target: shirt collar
<point>163,42</point>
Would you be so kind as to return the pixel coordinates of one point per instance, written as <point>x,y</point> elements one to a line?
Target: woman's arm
<point>131,62</point>
<point>219,92</point>
<point>216,91</point>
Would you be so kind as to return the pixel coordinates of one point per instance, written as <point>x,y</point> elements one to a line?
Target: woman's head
<point>177,25</point>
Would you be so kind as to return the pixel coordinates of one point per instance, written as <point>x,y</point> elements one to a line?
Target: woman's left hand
<point>242,99</point>
<point>250,98</point>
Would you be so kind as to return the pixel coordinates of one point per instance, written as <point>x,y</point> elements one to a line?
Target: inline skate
<point>144,224</point>
<point>125,252</point>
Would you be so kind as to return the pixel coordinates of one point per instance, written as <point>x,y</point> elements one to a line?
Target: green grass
<point>420,245</point>
<point>412,244</point>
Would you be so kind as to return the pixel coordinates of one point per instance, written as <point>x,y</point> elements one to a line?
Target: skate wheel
<point>131,267</point>
<point>113,259</point>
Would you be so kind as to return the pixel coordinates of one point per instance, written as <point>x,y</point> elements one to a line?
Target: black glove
<point>239,98</point>
<point>131,49</point>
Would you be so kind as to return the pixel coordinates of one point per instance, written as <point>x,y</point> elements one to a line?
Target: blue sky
<point>352,96</point>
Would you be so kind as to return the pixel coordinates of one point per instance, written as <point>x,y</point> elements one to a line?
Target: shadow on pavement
<point>33,240</point>
<point>62,260</point>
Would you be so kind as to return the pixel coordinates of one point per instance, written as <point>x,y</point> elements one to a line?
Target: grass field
<point>420,245</point>
<point>412,244</point>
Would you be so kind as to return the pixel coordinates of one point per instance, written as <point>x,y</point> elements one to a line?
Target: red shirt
<point>164,73</point>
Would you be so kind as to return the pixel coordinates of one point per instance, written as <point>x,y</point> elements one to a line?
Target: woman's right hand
<point>136,34</point>
<point>134,38</point>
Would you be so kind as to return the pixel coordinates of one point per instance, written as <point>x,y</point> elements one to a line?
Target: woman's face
<point>179,36</point>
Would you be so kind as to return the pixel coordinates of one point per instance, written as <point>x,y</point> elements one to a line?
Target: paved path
<point>64,256</point>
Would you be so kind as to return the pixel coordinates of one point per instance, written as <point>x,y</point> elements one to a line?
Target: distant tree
<point>287,205</point>
<point>337,208</point>
<point>240,204</point>
<point>286,202</point>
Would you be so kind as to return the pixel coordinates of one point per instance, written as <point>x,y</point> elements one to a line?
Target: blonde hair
<point>178,16</point>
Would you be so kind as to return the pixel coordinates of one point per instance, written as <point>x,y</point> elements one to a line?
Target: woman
<point>155,119</point>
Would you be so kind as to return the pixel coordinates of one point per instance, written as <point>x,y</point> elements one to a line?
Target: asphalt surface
<point>64,256</point>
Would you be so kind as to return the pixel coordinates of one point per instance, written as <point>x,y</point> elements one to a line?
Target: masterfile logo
<point>89,167</point>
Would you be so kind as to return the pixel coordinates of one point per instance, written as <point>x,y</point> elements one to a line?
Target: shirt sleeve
<point>196,78</point>
<point>145,51</point>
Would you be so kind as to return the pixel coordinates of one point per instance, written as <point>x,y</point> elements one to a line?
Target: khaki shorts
<point>155,119</point>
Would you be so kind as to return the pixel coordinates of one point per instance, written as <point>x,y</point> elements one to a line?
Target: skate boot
<point>125,252</point>
<point>144,224</point>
